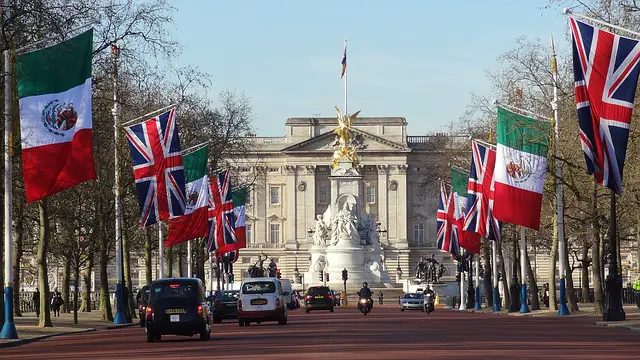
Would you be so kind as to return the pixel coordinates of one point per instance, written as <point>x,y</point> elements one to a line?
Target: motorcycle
<point>365,305</point>
<point>428,303</point>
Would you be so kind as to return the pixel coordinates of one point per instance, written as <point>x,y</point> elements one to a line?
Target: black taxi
<point>177,306</point>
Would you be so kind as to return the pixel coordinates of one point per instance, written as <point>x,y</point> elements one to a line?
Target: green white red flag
<point>54,91</point>
<point>194,223</point>
<point>469,240</point>
<point>239,210</point>
<point>521,162</point>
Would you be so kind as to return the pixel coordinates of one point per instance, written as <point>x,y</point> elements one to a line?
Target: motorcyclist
<point>365,293</point>
<point>429,300</point>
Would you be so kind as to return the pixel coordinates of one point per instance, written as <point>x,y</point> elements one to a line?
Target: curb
<point>120,326</point>
<point>41,337</point>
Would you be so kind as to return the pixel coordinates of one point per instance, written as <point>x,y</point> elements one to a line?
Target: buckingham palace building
<point>290,186</point>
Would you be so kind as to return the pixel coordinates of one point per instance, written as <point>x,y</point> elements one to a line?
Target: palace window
<point>274,169</point>
<point>274,195</point>
<point>246,260</point>
<point>274,233</point>
<point>418,233</point>
<point>249,233</point>
<point>323,194</point>
<point>371,194</point>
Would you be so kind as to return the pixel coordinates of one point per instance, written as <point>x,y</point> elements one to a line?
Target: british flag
<point>605,68</point>
<point>480,213</point>
<point>157,168</point>
<point>446,237</point>
<point>222,230</point>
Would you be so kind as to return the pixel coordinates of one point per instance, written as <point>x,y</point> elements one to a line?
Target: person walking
<point>36,301</point>
<point>56,303</point>
<point>380,298</point>
<point>636,288</point>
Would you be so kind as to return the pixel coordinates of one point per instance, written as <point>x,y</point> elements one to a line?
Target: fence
<point>27,304</point>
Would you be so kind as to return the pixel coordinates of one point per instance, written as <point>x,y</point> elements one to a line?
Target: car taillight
<point>330,297</point>
<point>218,303</point>
<point>200,310</point>
<point>149,313</point>
<point>277,302</point>
<point>239,304</point>
<point>308,297</point>
<point>141,308</point>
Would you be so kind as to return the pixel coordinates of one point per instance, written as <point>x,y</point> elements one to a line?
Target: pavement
<point>28,330</point>
<point>386,333</point>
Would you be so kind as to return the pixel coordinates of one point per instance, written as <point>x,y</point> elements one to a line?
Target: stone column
<point>402,205</point>
<point>307,212</point>
<point>290,198</point>
<point>383,199</point>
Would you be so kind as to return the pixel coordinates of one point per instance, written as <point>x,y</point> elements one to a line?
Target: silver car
<point>412,301</point>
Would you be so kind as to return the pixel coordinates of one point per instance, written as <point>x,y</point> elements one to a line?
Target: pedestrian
<point>636,288</point>
<point>380,298</point>
<point>36,301</point>
<point>56,303</point>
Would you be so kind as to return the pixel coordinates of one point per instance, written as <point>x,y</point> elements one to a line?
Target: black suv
<point>318,298</point>
<point>142,299</point>
<point>177,307</point>
<point>225,305</point>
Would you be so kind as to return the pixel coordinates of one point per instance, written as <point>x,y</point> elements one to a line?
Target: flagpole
<point>119,318</point>
<point>496,293</point>
<point>477,281</point>
<point>160,250</point>
<point>189,264</point>
<point>569,12</point>
<point>9,328</point>
<point>522,111</point>
<point>462,288</point>
<point>346,71</point>
<point>562,309</point>
<point>524,307</point>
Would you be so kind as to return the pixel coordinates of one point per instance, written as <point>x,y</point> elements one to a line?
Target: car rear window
<point>259,287</point>
<point>174,291</point>
<point>319,291</point>
<point>229,295</point>
<point>413,296</point>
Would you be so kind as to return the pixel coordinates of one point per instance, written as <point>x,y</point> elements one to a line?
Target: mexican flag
<point>469,240</point>
<point>521,161</point>
<point>54,91</point>
<point>194,223</point>
<point>239,197</point>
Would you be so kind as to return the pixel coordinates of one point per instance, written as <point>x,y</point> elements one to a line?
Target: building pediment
<point>365,142</point>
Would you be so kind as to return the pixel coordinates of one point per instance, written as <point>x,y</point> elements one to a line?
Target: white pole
<point>462,288</point>
<point>189,263</point>
<point>346,71</point>
<point>8,329</point>
<point>562,309</point>
<point>524,308</point>
<point>477,281</point>
<point>211,273</point>
<point>494,268</point>
<point>160,250</point>
<point>119,318</point>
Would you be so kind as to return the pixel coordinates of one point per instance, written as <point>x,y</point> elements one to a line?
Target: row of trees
<point>77,225</point>
<point>523,78</point>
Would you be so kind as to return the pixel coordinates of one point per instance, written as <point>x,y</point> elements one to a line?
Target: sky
<point>421,60</point>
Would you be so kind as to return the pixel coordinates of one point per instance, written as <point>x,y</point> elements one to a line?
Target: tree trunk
<point>18,251</point>
<point>488,280</point>
<point>200,260</point>
<point>501,268</point>
<point>533,285</point>
<point>169,257</point>
<point>76,279</point>
<point>43,277</point>
<point>86,277</point>
<point>147,257</point>
<point>553,263</point>
<point>130,304</point>
<point>584,272</point>
<point>572,302</point>
<point>596,253</point>
<point>66,281</point>
<point>181,260</point>
<point>105,299</point>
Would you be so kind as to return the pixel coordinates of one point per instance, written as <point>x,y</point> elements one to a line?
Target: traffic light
<point>326,276</point>
<point>458,277</point>
<point>320,275</point>
<point>278,274</point>
<point>345,275</point>
<point>231,278</point>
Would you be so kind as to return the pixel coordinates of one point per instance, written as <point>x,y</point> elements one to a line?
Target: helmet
<point>365,284</point>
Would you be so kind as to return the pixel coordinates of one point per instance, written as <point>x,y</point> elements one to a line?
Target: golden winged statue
<point>343,134</point>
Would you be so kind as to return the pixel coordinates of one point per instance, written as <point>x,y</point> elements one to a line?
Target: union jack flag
<point>447,236</point>
<point>157,168</point>
<point>222,229</point>
<point>480,214</point>
<point>605,68</point>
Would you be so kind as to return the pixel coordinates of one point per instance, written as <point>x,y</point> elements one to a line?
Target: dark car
<point>318,298</point>
<point>225,305</point>
<point>336,297</point>
<point>142,298</point>
<point>177,307</point>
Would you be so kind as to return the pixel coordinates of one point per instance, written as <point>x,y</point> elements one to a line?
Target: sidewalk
<point>28,330</point>
<point>632,313</point>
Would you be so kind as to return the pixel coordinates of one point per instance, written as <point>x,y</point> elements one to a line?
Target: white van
<point>261,299</point>
<point>287,290</point>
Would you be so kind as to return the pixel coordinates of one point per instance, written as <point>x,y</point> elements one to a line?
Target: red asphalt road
<point>386,333</point>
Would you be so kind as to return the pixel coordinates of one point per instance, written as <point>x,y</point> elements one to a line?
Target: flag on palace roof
<point>344,61</point>
<point>605,68</point>
<point>54,91</point>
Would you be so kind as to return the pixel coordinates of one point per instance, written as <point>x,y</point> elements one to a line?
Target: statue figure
<point>433,274</point>
<point>345,226</point>
<point>321,232</point>
<point>272,268</point>
<point>420,269</point>
<point>343,139</point>
<point>261,258</point>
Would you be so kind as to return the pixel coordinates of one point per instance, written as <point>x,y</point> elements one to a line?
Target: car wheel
<point>401,309</point>
<point>283,319</point>
<point>247,322</point>
<point>307,310</point>
<point>158,337</point>
<point>204,333</point>
<point>150,337</point>
<point>240,322</point>
<point>331,310</point>
<point>422,309</point>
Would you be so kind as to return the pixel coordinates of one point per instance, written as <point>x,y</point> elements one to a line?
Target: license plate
<point>174,311</point>
<point>174,318</point>
<point>259,302</point>
<point>319,297</point>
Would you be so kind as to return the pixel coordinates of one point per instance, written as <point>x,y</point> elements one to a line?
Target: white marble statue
<point>321,233</point>
<point>345,226</point>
